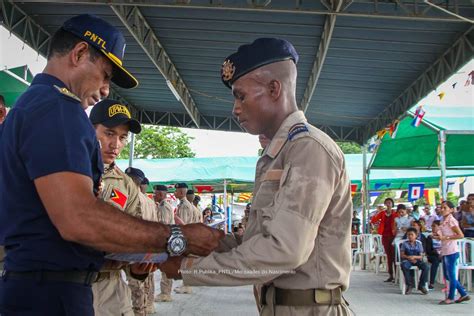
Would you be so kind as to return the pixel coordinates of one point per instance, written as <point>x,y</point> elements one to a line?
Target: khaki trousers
<point>112,297</point>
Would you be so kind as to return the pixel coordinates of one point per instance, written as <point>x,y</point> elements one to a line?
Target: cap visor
<point>133,124</point>
<point>121,76</point>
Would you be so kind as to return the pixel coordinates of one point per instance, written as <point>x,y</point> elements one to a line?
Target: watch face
<point>177,245</point>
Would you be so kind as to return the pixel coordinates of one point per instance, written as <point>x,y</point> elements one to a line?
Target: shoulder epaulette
<point>297,129</point>
<point>68,93</point>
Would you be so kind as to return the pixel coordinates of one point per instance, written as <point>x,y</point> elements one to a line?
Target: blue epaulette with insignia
<point>296,129</point>
<point>67,93</point>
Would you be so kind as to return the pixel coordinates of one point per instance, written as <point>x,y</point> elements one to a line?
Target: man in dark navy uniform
<point>53,226</point>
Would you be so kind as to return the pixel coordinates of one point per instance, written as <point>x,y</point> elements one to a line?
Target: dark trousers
<point>409,275</point>
<point>41,298</point>
<point>435,260</point>
<point>390,252</point>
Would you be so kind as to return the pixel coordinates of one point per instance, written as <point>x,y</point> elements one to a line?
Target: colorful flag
<point>441,95</point>
<point>244,197</point>
<point>393,128</point>
<point>419,113</point>
<point>374,143</point>
<point>415,191</point>
<point>353,189</point>
<point>470,79</point>
<point>429,196</point>
<point>381,133</point>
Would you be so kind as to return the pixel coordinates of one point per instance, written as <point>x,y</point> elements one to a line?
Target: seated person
<point>433,252</point>
<point>420,236</point>
<point>411,253</point>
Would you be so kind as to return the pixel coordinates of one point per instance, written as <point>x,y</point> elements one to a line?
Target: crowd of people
<point>426,240</point>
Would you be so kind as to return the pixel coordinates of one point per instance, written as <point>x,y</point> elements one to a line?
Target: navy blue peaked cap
<point>107,39</point>
<point>261,52</point>
<point>135,172</point>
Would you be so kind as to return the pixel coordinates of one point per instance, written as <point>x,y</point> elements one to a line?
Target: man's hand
<point>143,268</point>
<point>202,240</point>
<point>171,267</point>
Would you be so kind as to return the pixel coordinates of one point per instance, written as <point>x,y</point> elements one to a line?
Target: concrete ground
<point>368,295</point>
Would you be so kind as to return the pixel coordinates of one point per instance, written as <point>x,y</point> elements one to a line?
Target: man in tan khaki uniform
<point>191,197</point>
<point>165,215</point>
<point>142,291</point>
<point>112,124</point>
<point>296,248</point>
<point>187,213</point>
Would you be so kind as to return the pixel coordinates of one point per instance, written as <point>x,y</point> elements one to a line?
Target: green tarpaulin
<point>13,82</point>
<point>418,147</point>
<point>239,172</point>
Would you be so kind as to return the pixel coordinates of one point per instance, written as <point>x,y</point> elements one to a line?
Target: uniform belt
<point>107,275</point>
<point>311,297</point>
<point>81,277</point>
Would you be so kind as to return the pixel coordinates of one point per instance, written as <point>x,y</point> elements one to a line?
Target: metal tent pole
<point>442,164</point>
<point>132,150</point>
<point>227,227</point>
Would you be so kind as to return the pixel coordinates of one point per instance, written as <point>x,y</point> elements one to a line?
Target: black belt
<point>311,297</point>
<point>81,277</point>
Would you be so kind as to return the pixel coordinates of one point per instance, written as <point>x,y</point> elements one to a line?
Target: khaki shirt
<point>299,229</point>
<point>165,212</point>
<point>148,208</point>
<point>197,214</point>
<point>120,191</point>
<point>186,211</point>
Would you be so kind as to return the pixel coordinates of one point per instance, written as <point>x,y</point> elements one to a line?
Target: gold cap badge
<point>119,109</point>
<point>228,70</point>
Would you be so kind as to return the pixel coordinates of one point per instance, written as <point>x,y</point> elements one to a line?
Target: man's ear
<point>275,89</point>
<point>79,53</point>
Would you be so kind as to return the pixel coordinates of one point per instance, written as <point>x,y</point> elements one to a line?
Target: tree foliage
<point>350,147</point>
<point>160,142</point>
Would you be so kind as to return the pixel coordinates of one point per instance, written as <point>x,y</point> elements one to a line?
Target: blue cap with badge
<point>261,52</point>
<point>107,39</point>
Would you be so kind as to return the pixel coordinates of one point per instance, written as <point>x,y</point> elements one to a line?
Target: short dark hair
<point>412,229</point>
<point>418,222</point>
<point>2,100</point>
<point>436,222</point>
<point>449,204</point>
<point>401,207</point>
<point>415,207</point>
<point>63,42</point>
<point>389,199</point>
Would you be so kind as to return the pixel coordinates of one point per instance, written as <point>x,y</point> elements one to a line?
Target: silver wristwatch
<point>176,242</point>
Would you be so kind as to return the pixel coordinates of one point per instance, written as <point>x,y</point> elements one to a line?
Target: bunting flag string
<point>419,114</point>
<point>441,95</point>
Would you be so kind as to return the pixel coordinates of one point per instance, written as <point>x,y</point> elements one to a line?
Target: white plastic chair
<point>399,276</point>
<point>466,261</point>
<point>365,249</point>
<point>379,252</point>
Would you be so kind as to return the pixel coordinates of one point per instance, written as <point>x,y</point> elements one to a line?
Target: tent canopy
<point>239,172</point>
<point>417,147</point>
<point>13,82</point>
